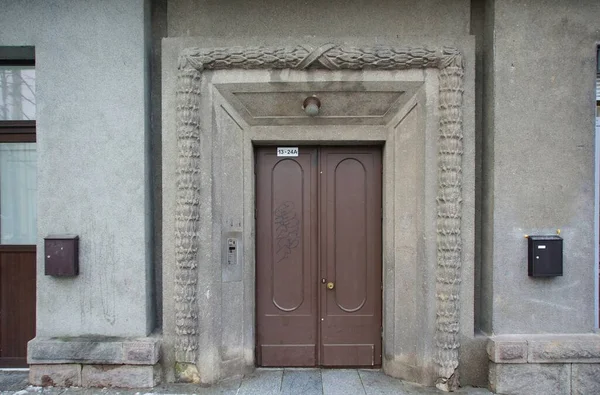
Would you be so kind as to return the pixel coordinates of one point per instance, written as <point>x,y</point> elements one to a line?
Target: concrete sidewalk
<point>261,382</point>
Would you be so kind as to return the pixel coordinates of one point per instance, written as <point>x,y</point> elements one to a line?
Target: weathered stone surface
<point>145,352</point>
<point>342,381</point>
<point>556,348</point>
<point>124,376</point>
<point>576,348</point>
<point>262,382</point>
<point>60,351</point>
<point>302,381</point>
<point>64,375</point>
<point>585,379</point>
<point>528,379</point>
<point>13,380</point>
<point>94,350</point>
<point>187,373</point>
<point>507,351</point>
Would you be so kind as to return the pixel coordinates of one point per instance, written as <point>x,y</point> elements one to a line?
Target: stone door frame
<point>447,62</point>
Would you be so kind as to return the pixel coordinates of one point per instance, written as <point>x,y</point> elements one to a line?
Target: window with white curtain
<point>18,159</point>
<point>17,193</point>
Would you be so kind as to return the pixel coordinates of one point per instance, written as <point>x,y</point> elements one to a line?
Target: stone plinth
<point>94,361</point>
<point>544,364</point>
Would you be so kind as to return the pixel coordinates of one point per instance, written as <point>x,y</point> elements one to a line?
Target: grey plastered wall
<point>539,162</point>
<point>93,174</point>
<point>338,18</point>
<point>211,310</point>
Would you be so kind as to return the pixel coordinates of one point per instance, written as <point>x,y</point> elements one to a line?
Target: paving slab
<point>13,380</point>
<point>377,383</point>
<point>262,382</point>
<point>342,382</point>
<point>302,382</point>
<point>474,391</point>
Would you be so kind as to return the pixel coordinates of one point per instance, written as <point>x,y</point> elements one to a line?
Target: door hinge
<point>381,328</point>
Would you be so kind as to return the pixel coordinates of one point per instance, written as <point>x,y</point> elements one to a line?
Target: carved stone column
<point>449,209</point>
<point>187,221</point>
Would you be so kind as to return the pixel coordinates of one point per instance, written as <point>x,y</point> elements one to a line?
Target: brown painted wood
<point>350,244</point>
<point>17,132</point>
<point>17,303</point>
<point>286,258</point>
<point>309,231</point>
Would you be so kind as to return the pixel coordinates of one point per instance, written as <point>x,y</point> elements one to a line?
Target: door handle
<point>330,285</point>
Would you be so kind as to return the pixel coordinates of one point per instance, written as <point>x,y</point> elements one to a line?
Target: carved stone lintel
<point>331,57</point>
<point>301,57</point>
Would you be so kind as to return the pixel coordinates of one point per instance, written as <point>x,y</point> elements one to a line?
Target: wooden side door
<point>350,244</point>
<point>17,303</point>
<point>18,230</point>
<point>286,256</point>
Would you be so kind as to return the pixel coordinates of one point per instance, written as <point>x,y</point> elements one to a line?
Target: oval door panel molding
<point>350,235</point>
<point>287,257</point>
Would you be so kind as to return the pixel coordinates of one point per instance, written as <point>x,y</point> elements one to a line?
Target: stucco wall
<point>539,163</point>
<point>93,178</point>
<point>239,18</point>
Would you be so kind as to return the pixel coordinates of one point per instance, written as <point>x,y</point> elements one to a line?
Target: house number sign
<point>287,151</point>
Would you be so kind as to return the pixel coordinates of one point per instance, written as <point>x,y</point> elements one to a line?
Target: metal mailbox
<point>545,256</point>
<point>61,255</point>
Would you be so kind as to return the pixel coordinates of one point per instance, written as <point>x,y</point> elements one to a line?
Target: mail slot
<point>545,256</point>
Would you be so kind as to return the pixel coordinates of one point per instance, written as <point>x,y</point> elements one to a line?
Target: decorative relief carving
<point>187,216</point>
<point>449,213</point>
<point>287,229</point>
<point>328,56</point>
<point>332,57</point>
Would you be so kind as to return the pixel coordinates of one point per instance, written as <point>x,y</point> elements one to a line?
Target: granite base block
<point>62,375</point>
<point>122,376</point>
<point>585,379</point>
<point>94,350</point>
<point>530,379</point>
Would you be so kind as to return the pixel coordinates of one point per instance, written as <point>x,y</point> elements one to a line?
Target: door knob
<point>330,285</point>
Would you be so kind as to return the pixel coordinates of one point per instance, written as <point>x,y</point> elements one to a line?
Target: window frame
<point>17,131</point>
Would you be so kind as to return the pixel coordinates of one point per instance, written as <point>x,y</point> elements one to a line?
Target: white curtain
<point>18,193</point>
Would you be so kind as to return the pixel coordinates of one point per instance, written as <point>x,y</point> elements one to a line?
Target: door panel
<point>286,273</point>
<point>351,256</point>
<point>17,303</point>
<point>318,219</point>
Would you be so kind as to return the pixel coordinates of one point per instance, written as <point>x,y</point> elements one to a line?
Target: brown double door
<point>318,258</point>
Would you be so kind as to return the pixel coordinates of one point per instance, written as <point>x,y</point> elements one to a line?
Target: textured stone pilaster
<point>187,216</point>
